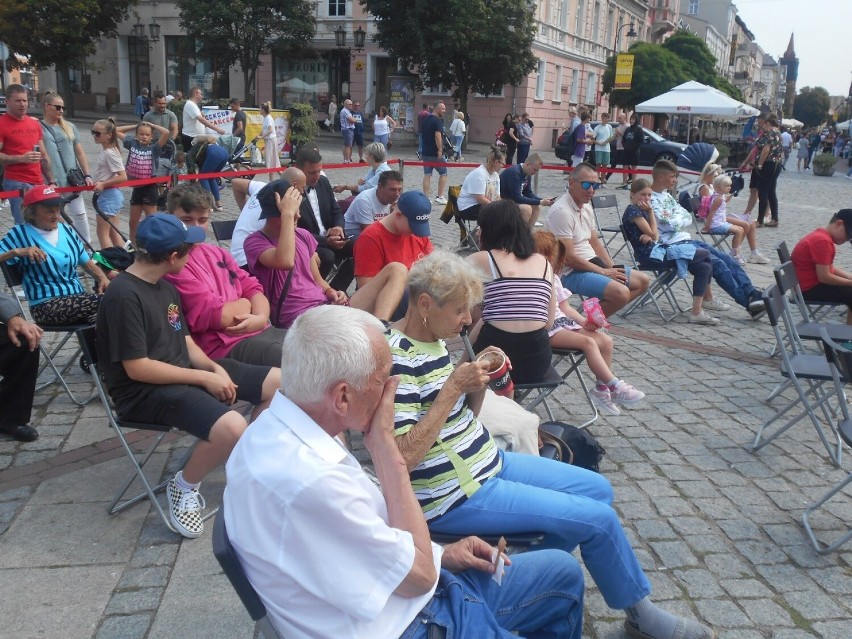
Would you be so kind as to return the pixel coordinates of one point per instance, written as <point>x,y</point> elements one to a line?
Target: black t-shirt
<point>632,138</point>
<point>138,319</point>
<point>240,116</point>
<point>433,123</point>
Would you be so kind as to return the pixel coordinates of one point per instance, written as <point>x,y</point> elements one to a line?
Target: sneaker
<point>757,258</point>
<point>185,510</point>
<point>684,629</point>
<point>703,318</point>
<point>602,398</point>
<point>738,258</point>
<point>440,200</point>
<point>715,305</point>
<point>624,393</point>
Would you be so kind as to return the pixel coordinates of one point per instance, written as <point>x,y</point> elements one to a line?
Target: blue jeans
<point>541,597</point>
<point>730,276</point>
<point>420,143</point>
<point>382,138</point>
<point>16,202</point>
<point>457,144</point>
<point>570,504</point>
<point>215,161</point>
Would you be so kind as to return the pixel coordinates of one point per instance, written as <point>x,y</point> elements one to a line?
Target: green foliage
<point>60,32</point>
<point>824,161</point>
<point>303,125</point>
<point>724,153</point>
<point>724,85</point>
<point>655,71</point>
<point>240,31</point>
<point>811,106</point>
<point>176,107</point>
<point>695,56</point>
<point>473,45</point>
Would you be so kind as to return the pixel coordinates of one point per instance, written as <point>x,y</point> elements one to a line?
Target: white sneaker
<point>440,200</point>
<point>703,318</point>
<point>757,258</point>
<point>715,305</point>
<point>185,510</point>
<point>737,257</point>
<point>624,393</point>
<point>602,398</point>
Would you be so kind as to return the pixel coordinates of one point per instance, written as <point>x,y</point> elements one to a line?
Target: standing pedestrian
<point>143,160</point>
<point>433,145</point>
<point>803,153</point>
<point>270,140</point>
<point>347,130</point>
<point>383,124</point>
<point>786,146</point>
<point>358,137</point>
<point>143,104</point>
<point>524,132</point>
<point>194,123</point>
<point>109,173</point>
<point>768,167</point>
<point>332,112</point>
<point>603,134</point>
<point>238,127</point>
<point>162,116</point>
<point>457,130</point>
<point>510,139</point>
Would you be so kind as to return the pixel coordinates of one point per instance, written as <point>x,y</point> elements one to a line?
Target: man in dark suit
<point>19,367</point>
<point>320,215</point>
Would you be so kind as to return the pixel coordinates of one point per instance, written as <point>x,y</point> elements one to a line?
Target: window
<point>436,89</point>
<point>186,69</point>
<point>564,10</point>
<point>336,8</point>
<point>539,81</point>
<point>693,7</point>
<point>298,80</point>
<point>557,84</point>
<point>591,87</point>
<point>609,32</point>
<point>596,22</point>
<point>575,85</point>
<point>580,22</point>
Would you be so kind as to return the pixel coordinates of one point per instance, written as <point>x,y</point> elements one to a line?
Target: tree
<point>486,45</point>
<point>59,32</point>
<point>695,56</point>
<point>240,31</point>
<point>655,71</point>
<point>811,106</point>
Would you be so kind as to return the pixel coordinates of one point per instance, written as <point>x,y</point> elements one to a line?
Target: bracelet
<point>87,176</point>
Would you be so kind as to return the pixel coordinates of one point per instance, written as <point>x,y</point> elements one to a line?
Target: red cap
<point>44,194</point>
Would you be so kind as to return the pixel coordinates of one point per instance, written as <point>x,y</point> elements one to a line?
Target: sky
<point>823,37</point>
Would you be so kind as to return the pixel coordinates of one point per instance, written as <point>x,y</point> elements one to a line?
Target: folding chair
<point>233,569</point>
<point>719,240</point>
<point>468,227</point>
<point>788,284</point>
<point>610,230</point>
<point>88,343</point>
<point>223,230</point>
<point>14,280</point>
<point>816,310</point>
<point>660,288</point>
<point>840,361</point>
<point>575,358</point>
<point>808,374</point>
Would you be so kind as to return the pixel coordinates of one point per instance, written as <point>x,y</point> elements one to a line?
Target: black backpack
<point>572,445</point>
<point>565,145</point>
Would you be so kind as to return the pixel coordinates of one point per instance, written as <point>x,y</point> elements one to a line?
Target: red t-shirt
<point>815,248</point>
<point>19,137</point>
<point>377,247</point>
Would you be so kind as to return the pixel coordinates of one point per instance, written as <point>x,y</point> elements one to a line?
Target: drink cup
<point>498,372</point>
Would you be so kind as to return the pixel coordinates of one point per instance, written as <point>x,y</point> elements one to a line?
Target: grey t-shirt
<point>365,209</point>
<point>60,149</point>
<point>164,120</point>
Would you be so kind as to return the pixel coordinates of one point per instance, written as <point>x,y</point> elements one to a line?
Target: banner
<point>623,71</point>
<point>224,118</point>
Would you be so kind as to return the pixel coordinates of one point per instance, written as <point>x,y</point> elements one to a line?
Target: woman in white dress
<point>270,139</point>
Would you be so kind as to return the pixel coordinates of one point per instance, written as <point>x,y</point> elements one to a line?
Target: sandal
<point>772,223</point>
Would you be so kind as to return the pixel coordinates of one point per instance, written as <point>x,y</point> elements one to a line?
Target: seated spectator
<point>571,330</point>
<point>640,226</point>
<point>249,220</point>
<point>516,185</point>
<point>589,269</point>
<point>372,204</point>
<point>402,236</point>
<point>48,252</point>
<point>226,311</point>
<point>672,222</point>
<point>157,374</point>
<point>19,355</point>
<point>813,259</point>
<point>519,303</point>
<point>375,156</point>
<point>480,187</point>
<point>717,216</point>
<point>284,259</point>
<point>297,502</point>
<point>464,483</point>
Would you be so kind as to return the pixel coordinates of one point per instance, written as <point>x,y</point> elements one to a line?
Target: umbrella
<point>843,126</point>
<point>793,123</point>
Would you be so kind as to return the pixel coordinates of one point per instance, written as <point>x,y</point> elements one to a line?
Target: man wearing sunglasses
<point>588,268</point>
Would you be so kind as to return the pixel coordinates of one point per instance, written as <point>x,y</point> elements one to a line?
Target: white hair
<point>326,345</point>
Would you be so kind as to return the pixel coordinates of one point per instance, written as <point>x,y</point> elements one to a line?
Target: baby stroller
<point>694,158</point>
<point>240,158</point>
<point>448,150</point>
<point>164,168</point>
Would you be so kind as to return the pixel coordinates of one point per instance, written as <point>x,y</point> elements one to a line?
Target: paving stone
<point>125,627</point>
<point>674,553</point>
<point>722,614</point>
<point>738,529</point>
<point>699,583</point>
<point>161,554</point>
<point>745,588</point>
<point>151,576</point>
<point>815,605</point>
<point>792,633</point>
<point>832,629</point>
<point>834,580</point>
<point>133,601</point>
<point>766,613</point>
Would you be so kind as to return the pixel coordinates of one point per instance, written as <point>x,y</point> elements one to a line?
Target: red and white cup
<point>498,372</point>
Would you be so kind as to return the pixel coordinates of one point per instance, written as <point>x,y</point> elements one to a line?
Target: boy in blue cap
<point>157,374</point>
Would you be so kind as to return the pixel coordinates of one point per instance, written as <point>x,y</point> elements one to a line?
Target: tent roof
<point>694,98</point>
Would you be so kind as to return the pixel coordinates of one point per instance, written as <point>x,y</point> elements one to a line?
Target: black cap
<point>266,198</point>
<point>846,216</point>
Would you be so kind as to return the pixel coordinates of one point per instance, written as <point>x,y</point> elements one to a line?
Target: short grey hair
<point>376,150</point>
<point>445,277</point>
<point>326,345</point>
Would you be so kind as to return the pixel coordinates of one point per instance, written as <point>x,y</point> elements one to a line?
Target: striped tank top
<point>516,298</point>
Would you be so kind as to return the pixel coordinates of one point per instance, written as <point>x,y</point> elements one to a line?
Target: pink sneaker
<point>624,393</point>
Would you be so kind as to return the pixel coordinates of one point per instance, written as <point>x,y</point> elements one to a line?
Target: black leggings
<point>67,310</point>
<point>829,294</point>
<point>529,353</point>
<point>766,195</point>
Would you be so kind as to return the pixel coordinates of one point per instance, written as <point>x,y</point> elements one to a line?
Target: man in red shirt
<point>21,149</point>
<point>813,259</point>
<point>402,236</point>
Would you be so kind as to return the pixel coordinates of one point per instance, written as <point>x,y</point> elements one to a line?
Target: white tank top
<point>380,126</point>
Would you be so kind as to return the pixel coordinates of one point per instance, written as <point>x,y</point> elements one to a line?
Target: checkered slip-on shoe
<point>185,510</point>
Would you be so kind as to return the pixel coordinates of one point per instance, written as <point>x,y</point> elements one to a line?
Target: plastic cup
<point>498,372</point>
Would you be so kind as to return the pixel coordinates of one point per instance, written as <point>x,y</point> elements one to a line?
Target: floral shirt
<point>776,150</point>
<point>672,218</point>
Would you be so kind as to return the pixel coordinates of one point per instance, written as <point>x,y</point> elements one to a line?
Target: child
<point>179,165</point>
<point>742,220</point>
<point>717,217</point>
<point>572,331</point>
<point>142,162</point>
<point>157,374</point>
<point>109,172</point>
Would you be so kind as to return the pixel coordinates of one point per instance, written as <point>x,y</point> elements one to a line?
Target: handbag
<point>575,446</point>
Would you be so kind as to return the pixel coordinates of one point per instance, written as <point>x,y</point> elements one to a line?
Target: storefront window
<point>304,81</point>
<point>186,69</point>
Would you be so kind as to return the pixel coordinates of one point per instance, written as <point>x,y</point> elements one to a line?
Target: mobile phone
<point>35,148</point>
<point>621,266</point>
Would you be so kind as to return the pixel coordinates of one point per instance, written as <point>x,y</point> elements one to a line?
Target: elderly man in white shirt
<point>373,204</point>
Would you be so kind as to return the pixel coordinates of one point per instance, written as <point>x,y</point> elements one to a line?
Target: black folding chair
<point>574,358</point>
<point>816,310</point>
<point>223,230</point>
<point>609,228</point>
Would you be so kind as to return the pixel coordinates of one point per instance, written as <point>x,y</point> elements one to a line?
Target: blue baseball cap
<point>163,232</point>
<point>416,207</point>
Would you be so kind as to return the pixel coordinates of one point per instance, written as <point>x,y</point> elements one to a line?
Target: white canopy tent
<point>792,123</point>
<point>843,126</point>
<point>693,98</point>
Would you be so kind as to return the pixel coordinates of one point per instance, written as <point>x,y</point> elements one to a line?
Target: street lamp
<point>359,35</point>
<point>630,34</point>
<point>153,30</point>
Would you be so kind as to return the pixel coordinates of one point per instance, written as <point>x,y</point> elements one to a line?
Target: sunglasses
<point>97,134</point>
<point>58,107</point>
<point>590,185</point>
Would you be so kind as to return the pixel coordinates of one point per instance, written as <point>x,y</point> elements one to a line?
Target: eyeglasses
<point>97,134</point>
<point>590,185</point>
<point>58,107</point>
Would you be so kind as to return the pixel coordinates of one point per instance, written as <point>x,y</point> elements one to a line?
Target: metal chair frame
<point>719,240</point>
<point>816,311</point>
<point>608,233</point>
<point>223,230</point>
<point>575,358</point>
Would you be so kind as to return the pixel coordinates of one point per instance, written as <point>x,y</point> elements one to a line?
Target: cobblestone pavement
<point>716,526</point>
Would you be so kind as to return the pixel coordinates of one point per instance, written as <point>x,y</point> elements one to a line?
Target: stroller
<point>112,258</point>
<point>164,168</point>
<point>238,159</point>
<point>694,158</point>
